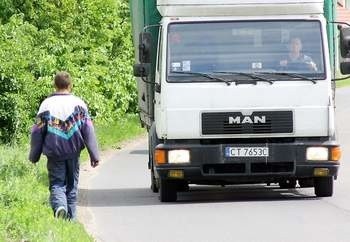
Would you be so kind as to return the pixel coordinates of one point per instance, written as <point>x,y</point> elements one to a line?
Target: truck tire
<point>167,191</point>
<point>287,184</point>
<point>323,186</point>
<point>183,186</point>
<point>154,185</point>
<point>153,141</point>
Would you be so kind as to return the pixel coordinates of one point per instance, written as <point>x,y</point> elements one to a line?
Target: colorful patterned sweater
<point>63,129</point>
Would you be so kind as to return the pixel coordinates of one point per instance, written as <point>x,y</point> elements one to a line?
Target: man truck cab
<point>225,102</point>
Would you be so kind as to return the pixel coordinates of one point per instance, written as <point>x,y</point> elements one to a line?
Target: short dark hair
<point>63,80</point>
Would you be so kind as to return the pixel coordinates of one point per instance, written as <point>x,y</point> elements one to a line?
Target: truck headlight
<point>178,156</point>
<point>317,153</point>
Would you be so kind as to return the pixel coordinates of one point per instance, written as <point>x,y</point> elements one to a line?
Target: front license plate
<point>246,151</point>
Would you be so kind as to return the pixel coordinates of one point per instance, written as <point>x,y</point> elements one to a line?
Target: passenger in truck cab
<point>296,60</point>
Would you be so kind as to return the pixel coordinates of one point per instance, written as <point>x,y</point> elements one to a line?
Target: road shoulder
<point>85,215</point>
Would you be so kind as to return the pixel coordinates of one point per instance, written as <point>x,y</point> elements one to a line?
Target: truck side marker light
<point>179,174</point>
<point>159,157</point>
<point>335,153</point>
<point>321,172</point>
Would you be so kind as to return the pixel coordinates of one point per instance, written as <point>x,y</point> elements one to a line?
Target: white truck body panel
<point>185,103</point>
<point>177,8</point>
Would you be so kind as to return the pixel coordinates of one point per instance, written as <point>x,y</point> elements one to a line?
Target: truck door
<point>158,76</point>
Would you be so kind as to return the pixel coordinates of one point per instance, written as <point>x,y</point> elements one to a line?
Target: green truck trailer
<point>236,92</point>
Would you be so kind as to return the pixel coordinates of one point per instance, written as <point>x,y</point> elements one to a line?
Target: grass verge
<point>343,83</point>
<point>119,131</point>
<point>112,134</point>
<point>25,213</point>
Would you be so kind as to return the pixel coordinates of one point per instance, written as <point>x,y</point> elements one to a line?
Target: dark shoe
<point>61,213</point>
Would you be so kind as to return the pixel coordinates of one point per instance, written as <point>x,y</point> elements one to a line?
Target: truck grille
<point>258,123</point>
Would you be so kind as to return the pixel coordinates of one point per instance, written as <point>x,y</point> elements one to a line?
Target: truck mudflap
<point>224,164</point>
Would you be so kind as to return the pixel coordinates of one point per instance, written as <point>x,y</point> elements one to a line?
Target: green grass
<point>25,213</point>
<point>112,134</point>
<point>343,83</point>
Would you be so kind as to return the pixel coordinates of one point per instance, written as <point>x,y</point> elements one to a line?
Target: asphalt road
<point>121,207</point>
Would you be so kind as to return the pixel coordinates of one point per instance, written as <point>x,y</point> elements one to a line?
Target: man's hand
<point>94,163</point>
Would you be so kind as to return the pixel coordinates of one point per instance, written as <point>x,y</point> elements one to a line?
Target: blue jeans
<point>63,185</point>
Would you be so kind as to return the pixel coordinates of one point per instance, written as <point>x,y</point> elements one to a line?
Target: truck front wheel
<point>153,141</point>
<point>323,186</point>
<point>154,185</point>
<point>167,191</point>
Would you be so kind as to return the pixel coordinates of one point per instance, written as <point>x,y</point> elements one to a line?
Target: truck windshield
<point>264,48</point>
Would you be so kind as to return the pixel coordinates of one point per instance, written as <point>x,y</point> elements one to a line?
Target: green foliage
<point>88,38</point>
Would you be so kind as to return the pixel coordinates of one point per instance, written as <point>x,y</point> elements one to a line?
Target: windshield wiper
<point>301,77</point>
<point>251,75</point>
<point>203,75</point>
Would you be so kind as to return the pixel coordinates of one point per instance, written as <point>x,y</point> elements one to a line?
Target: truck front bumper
<point>209,163</point>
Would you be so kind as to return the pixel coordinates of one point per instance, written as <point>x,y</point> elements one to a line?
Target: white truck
<point>238,91</point>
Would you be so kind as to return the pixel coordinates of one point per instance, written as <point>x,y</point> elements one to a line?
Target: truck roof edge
<point>197,8</point>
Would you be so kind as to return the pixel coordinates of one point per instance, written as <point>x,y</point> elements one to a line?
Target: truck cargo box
<point>238,7</point>
<point>144,13</point>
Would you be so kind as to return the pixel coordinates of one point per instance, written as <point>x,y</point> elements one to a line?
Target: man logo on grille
<point>247,120</point>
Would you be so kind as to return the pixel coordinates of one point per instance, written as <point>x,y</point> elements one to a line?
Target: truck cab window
<point>293,46</point>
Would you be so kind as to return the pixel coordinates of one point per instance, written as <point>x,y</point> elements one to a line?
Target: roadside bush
<point>90,39</point>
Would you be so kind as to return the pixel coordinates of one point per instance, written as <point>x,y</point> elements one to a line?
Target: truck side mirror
<point>344,45</point>
<point>145,43</point>
<point>344,42</point>
<point>142,70</point>
<point>345,68</point>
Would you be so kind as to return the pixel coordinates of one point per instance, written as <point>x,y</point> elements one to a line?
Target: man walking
<point>62,130</point>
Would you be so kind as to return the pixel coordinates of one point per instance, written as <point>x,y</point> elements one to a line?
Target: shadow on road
<point>139,152</point>
<point>197,194</point>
